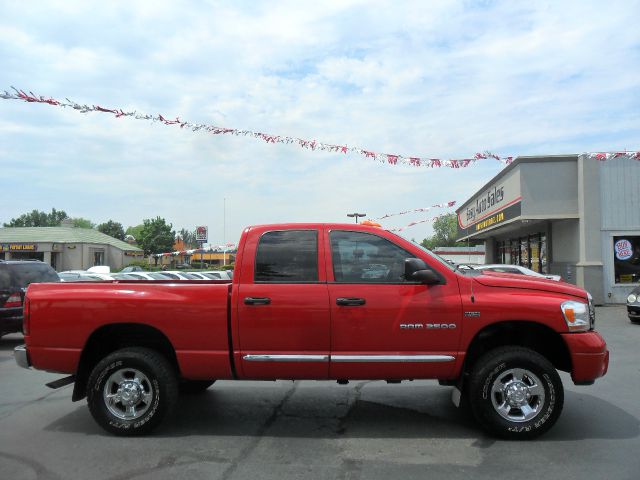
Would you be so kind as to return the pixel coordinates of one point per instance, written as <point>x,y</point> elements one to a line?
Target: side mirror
<point>417,270</point>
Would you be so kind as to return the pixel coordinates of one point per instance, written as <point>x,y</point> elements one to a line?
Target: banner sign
<point>202,234</point>
<point>18,247</point>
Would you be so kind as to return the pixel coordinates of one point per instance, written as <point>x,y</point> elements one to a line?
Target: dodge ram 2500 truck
<point>319,301</point>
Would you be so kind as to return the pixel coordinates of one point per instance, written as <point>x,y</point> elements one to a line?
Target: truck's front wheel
<point>515,393</point>
<point>131,390</point>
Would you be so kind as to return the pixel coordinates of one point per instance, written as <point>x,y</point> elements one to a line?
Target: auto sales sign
<point>491,207</point>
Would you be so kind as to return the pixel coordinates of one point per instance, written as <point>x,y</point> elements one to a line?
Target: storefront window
<point>515,252</point>
<point>524,253</point>
<point>626,259</point>
<point>529,252</point>
<point>534,248</point>
<point>544,265</point>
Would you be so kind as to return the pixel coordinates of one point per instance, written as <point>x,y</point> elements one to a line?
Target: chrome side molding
<point>350,358</point>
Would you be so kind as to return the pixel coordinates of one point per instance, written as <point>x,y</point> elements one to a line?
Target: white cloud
<point>436,79</point>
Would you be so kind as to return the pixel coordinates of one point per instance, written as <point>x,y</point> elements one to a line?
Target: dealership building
<point>569,215</point>
<point>66,248</point>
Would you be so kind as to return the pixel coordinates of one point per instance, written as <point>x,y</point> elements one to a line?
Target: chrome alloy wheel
<point>517,395</point>
<point>128,393</point>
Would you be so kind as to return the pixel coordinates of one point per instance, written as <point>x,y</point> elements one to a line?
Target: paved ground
<point>317,430</point>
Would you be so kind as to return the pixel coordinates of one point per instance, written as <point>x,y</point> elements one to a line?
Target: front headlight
<point>576,314</point>
<point>632,298</point>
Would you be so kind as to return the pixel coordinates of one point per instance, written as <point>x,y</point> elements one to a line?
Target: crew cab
<point>323,302</point>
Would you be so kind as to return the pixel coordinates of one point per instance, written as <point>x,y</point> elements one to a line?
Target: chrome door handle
<point>350,302</point>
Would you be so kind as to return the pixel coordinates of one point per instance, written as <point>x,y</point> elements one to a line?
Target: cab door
<point>382,325</point>
<point>282,304</point>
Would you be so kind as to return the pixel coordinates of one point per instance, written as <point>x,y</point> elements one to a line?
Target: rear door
<point>283,306</point>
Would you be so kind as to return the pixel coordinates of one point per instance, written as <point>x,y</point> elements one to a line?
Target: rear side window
<point>288,256</point>
<point>20,275</point>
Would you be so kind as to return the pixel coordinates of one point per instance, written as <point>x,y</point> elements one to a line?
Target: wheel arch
<point>112,337</point>
<point>533,335</point>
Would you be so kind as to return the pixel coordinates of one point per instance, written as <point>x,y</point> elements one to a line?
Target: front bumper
<point>22,356</point>
<point>634,312</point>
<point>589,356</point>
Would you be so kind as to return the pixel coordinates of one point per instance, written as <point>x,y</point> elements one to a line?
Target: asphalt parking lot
<point>319,430</point>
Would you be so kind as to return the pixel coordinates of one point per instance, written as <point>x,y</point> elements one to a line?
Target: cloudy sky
<point>439,79</point>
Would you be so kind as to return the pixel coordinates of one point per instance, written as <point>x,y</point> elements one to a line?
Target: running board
<point>63,382</point>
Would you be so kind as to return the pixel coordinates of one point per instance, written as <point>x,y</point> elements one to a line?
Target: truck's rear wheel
<point>131,390</point>
<point>515,393</point>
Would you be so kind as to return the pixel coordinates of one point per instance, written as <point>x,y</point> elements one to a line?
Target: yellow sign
<point>18,247</point>
<point>493,220</point>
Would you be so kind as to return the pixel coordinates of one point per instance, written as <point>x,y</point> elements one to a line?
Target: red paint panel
<point>295,322</point>
<point>63,360</point>
<point>589,355</point>
<point>193,316</point>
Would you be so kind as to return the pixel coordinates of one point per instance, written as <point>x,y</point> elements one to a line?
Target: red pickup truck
<point>319,301</point>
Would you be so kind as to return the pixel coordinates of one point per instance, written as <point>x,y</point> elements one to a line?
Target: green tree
<point>156,236</point>
<point>37,218</point>
<point>80,222</point>
<point>113,229</point>
<point>134,231</point>
<point>445,231</point>
<point>188,237</point>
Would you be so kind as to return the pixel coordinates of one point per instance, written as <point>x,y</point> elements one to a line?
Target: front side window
<point>626,258</point>
<point>365,258</point>
<point>287,256</point>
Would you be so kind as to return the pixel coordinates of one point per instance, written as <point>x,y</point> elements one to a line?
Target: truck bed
<point>192,315</point>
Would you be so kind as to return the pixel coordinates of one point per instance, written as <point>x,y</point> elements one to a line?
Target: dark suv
<point>15,276</point>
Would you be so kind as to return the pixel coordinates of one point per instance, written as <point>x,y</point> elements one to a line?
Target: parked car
<point>127,276</point>
<point>633,305</point>
<point>516,269</point>
<point>84,276</point>
<point>174,275</point>
<point>131,268</point>
<point>218,275</point>
<point>15,276</point>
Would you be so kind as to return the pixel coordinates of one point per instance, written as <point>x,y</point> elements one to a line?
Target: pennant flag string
<point>400,229</point>
<point>417,210</point>
<point>391,159</point>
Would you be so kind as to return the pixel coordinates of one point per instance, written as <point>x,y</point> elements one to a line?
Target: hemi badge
<point>471,314</point>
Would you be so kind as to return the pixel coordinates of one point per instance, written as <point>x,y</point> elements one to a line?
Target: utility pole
<point>356,215</point>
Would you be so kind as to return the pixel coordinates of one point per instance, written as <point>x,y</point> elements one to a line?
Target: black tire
<point>634,320</point>
<point>146,393</point>
<point>192,387</point>
<point>508,378</point>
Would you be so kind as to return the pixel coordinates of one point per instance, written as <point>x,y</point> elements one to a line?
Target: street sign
<point>202,234</point>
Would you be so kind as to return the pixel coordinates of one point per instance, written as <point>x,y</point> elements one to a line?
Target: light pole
<point>356,215</point>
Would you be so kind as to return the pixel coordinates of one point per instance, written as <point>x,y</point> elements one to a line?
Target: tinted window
<point>20,275</point>
<point>287,256</point>
<point>365,258</point>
